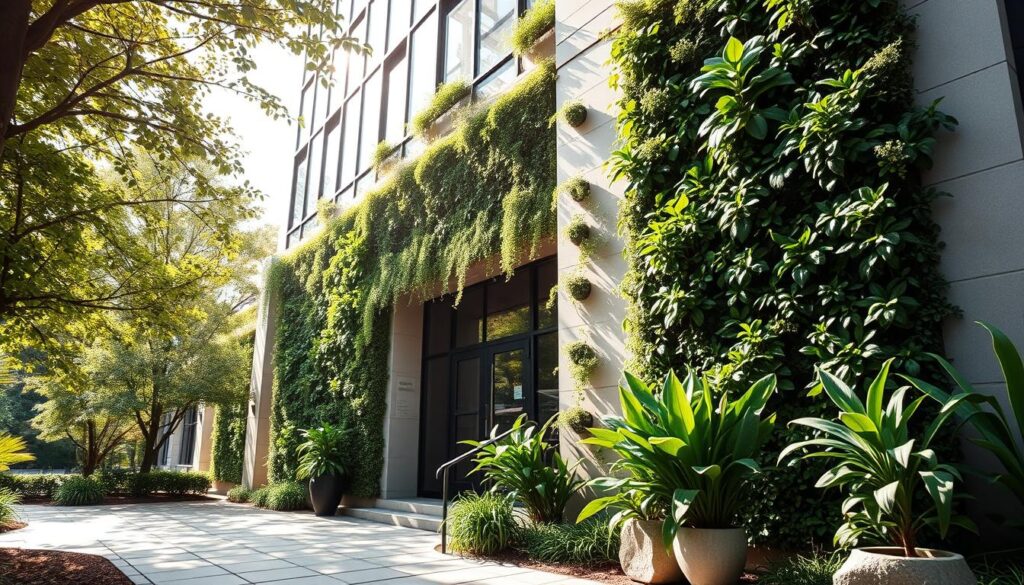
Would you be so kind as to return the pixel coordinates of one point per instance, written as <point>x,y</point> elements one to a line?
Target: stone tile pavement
<point>218,543</point>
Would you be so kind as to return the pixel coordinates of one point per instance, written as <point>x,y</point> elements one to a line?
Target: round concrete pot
<point>885,566</point>
<point>711,556</point>
<point>643,556</point>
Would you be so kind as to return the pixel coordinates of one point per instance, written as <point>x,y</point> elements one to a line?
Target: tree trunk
<point>89,460</point>
<point>14,15</point>
<point>151,439</point>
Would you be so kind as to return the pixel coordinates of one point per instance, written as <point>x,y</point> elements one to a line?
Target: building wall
<point>201,449</point>
<point>582,59</point>
<point>964,55</point>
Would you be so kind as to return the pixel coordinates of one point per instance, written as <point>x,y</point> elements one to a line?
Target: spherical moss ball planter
<point>578,231</point>
<point>578,287</point>
<point>574,113</point>
<point>577,188</point>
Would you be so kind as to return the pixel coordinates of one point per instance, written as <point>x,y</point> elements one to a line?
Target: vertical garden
<point>774,211</point>
<point>483,192</point>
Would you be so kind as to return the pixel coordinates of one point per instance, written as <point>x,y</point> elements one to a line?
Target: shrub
<point>532,26</point>
<point>528,469</point>
<point>574,113</point>
<point>803,570</point>
<point>481,524</point>
<point>381,153</point>
<point>117,481</point>
<point>578,287</point>
<point>593,541</point>
<point>281,496</point>
<point>448,95</point>
<point>79,491</point>
<point>577,188</point>
<point>33,486</point>
<point>172,483</point>
<point>322,452</point>
<point>8,500</point>
<point>239,494</point>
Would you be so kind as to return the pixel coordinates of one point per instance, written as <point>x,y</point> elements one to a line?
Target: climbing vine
<point>483,191</point>
<point>774,213</point>
<point>228,437</point>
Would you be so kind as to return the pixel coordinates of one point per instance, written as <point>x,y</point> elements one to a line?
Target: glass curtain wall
<point>366,99</point>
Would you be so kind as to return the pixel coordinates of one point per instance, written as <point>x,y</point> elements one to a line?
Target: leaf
<point>886,496</point>
<point>594,507</point>
<point>1013,370</point>
<point>670,445</point>
<point>876,393</point>
<point>940,487</point>
<point>733,50</point>
<point>682,499</point>
<point>757,127</point>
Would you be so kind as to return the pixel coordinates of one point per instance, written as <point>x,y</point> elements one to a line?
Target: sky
<point>269,144</point>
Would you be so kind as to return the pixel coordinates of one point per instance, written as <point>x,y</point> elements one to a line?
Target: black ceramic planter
<point>325,494</point>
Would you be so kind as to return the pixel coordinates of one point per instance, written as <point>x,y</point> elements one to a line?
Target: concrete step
<point>395,517</point>
<point>425,506</point>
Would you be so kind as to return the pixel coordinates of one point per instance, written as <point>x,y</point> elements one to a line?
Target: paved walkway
<point>217,543</point>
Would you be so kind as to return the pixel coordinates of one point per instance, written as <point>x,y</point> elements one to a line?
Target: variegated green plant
<point>686,451</point>
<point>997,431</point>
<point>882,465</point>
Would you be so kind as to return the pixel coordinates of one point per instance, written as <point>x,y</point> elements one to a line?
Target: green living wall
<point>228,438</point>
<point>483,191</point>
<point>774,213</point>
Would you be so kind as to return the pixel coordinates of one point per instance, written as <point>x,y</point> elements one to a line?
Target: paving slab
<point>219,543</point>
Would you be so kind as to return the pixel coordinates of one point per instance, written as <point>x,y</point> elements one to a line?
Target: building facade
<point>189,446</point>
<point>456,373</point>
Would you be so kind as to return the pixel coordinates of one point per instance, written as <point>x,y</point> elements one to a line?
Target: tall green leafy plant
<point>882,465</point>
<point>688,450</point>
<point>773,209</point>
<point>322,452</point>
<point>529,469</point>
<point>998,429</point>
<point>12,451</point>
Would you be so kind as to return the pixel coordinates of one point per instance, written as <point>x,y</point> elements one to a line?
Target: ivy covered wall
<point>774,211</point>
<point>228,437</point>
<point>483,191</point>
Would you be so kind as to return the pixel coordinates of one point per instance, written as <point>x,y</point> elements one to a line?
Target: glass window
<point>350,146</point>
<point>435,417</point>
<point>378,28</point>
<point>332,148</point>
<point>188,437</point>
<point>398,22</point>
<point>508,306</point>
<point>356,62</point>
<point>316,157</point>
<point>547,376</point>
<point>497,17</point>
<point>370,133</point>
<point>423,65</point>
<point>547,278</point>
<point>469,323</point>
<point>420,8</point>
<point>299,193</point>
<point>458,52</point>
<point>305,111</point>
<point>394,122</point>
<point>439,325</point>
<point>319,105</point>
<point>497,81</point>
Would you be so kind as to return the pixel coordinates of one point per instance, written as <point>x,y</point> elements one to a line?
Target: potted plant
<point>322,462</point>
<point>886,470</point>
<point>689,451</point>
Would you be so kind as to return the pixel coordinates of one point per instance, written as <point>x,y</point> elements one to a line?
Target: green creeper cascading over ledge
<point>774,212</point>
<point>483,191</point>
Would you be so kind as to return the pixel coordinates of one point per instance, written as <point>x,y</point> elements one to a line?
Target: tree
<point>89,87</point>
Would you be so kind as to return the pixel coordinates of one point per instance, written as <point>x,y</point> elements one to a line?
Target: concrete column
<point>402,421</point>
<point>257,424</point>
<point>204,439</point>
<point>582,56</point>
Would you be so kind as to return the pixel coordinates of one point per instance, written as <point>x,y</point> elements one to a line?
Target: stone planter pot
<point>643,556</point>
<point>711,556</point>
<point>543,48</point>
<point>885,566</point>
<point>325,494</point>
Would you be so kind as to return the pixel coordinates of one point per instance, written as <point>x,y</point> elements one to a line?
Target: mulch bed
<point>117,500</point>
<point>11,526</point>
<point>603,572</point>
<point>53,567</point>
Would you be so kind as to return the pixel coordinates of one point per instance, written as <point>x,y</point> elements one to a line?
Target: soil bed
<point>53,567</point>
<point>11,526</point>
<point>603,572</point>
<point>117,500</point>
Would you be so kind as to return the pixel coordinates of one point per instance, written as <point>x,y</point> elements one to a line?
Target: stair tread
<point>391,512</point>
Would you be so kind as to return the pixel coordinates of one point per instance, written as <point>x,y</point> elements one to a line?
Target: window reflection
<point>497,18</point>
<point>423,65</point>
<point>299,194</point>
<point>378,28</point>
<point>371,120</point>
<point>351,144</point>
<point>394,125</point>
<point>498,81</point>
<point>332,151</point>
<point>313,182</point>
<point>458,62</point>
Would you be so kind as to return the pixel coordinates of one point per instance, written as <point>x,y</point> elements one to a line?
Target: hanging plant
<point>578,287</point>
<point>577,188</point>
<point>583,360</point>
<point>574,113</point>
<point>576,418</point>
<point>532,26</point>
<point>579,233</point>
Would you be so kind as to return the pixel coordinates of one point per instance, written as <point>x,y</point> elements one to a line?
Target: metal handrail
<point>445,467</point>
